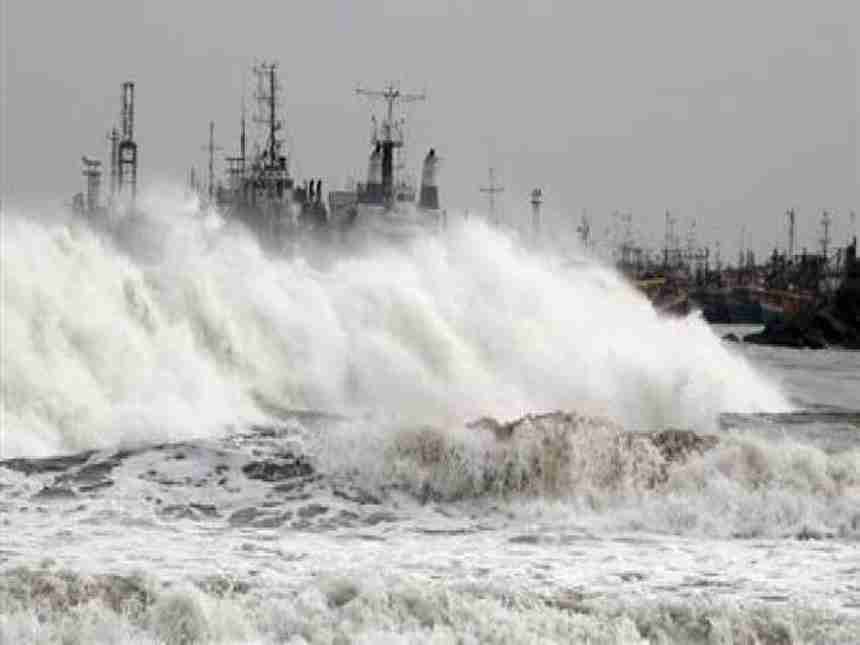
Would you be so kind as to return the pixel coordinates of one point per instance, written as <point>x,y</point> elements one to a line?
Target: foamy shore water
<point>205,508</point>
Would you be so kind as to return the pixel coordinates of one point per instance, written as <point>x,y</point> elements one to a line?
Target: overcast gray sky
<point>729,112</point>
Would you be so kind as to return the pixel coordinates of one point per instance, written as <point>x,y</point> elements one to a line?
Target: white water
<point>101,348</point>
<point>183,329</point>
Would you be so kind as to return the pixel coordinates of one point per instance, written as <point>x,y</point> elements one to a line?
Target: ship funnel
<point>374,176</point>
<point>429,198</point>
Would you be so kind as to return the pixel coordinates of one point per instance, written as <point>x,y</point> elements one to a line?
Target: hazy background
<point>728,112</point>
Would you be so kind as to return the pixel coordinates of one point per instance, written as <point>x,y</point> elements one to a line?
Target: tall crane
<point>127,148</point>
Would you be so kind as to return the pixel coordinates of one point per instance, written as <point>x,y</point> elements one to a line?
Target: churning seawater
<point>201,443</point>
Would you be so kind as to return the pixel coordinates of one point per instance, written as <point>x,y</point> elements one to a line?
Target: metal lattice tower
<point>790,214</point>
<point>669,245</point>
<point>236,165</point>
<point>826,221</point>
<point>268,102</point>
<point>491,190</point>
<point>536,201</point>
<point>127,148</point>
<point>691,240</point>
<point>211,148</point>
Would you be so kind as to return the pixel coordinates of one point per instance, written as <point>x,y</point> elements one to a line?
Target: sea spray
<point>376,609</point>
<point>568,468</point>
<point>181,328</point>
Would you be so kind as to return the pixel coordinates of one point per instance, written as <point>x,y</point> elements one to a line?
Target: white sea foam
<point>179,328</point>
<point>53,607</point>
<point>559,468</point>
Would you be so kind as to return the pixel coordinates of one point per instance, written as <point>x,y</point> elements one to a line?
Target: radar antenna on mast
<point>389,134</point>
<point>490,190</point>
<point>391,95</point>
<point>211,148</point>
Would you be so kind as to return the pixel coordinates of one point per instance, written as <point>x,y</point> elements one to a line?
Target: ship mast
<point>791,215</point>
<point>267,98</point>
<point>490,190</point>
<point>127,148</point>
<point>211,148</point>
<point>825,236</point>
<point>236,165</point>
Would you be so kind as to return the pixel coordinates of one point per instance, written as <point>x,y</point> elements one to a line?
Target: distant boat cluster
<point>259,189</point>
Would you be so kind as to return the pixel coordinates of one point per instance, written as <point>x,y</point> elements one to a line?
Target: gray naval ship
<point>386,205</point>
<point>261,192</point>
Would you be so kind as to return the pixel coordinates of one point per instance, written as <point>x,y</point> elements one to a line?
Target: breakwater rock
<point>836,323</point>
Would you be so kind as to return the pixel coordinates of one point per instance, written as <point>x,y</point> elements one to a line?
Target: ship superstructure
<point>387,204</point>
<point>260,190</point>
<point>123,157</point>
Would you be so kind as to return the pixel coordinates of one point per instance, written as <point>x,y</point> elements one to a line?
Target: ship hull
<point>398,224</point>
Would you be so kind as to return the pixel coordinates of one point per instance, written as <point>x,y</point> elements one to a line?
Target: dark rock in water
<point>90,488</point>
<point>807,533</point>
<point>357,495</point>
<point>287,466</point>
<point>208,510</point>
<point>312,510</point>
<point>176,512</point>
<point>50,493</point>
<point>38,466</point>
<point>255,518</point>
<point>732,338</point>
<point>244,516</point>
<point>271,521</point>
<point>379,517</point>
<point>93,475</point>
<point>678,445</point>
<point>223,586</point>
<point>794,333</point>
<point>296,486</point>
<point>834,322</point>
<point>192,511</point>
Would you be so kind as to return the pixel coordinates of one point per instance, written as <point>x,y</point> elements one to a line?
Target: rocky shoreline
<point>835,322</point>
